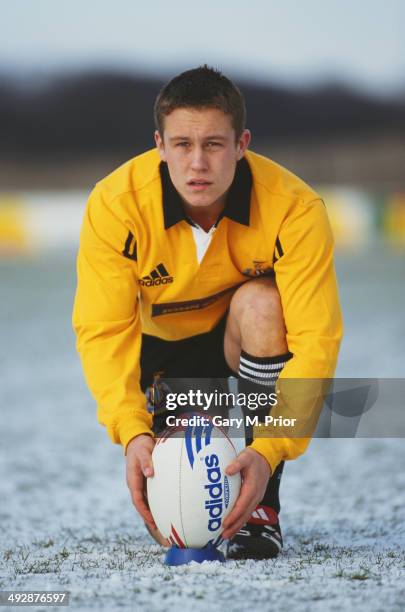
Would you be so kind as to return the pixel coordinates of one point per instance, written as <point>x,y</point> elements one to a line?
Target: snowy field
<point>66,522</point>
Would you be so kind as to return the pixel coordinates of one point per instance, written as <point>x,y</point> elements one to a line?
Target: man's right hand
<point>139,466</point>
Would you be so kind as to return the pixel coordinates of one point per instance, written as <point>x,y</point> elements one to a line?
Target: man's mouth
<point>198,184</point>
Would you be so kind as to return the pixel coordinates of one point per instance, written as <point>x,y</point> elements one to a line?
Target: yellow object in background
<point>352,216</point>
<point>13,229</point>
<point>394,218</point>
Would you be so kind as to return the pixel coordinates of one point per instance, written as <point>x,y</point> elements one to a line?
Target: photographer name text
<point>237,422</point>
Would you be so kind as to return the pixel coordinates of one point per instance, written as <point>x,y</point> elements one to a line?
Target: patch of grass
<point>321,548</point>
<point>47,543</point>
<point>359,576</point>
<point>41,566</point>
<point>64,553</point>
<point>123,540</point>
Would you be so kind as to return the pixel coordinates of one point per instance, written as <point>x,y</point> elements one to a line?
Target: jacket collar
<point>237,206</point>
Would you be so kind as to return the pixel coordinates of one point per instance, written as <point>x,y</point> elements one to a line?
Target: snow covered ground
<point>66,522</point>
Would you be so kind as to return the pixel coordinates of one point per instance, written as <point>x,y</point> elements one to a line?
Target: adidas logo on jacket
<point>158,276</point>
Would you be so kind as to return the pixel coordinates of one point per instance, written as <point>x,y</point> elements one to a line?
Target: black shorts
<point>200,356</point>
<point>178,366</point>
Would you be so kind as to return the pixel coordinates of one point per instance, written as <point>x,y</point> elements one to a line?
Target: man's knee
<point>258,298</point>
<point>255,322</point>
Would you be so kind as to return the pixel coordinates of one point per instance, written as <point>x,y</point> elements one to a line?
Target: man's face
<point>201,153</point>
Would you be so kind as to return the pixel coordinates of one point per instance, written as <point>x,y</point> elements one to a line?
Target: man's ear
<point>243,143</point>
<point>160,145</point>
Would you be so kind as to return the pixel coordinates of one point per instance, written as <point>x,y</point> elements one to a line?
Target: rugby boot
<point>260,538</point>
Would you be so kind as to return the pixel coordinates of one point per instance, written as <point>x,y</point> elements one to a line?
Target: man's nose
<point>198,159</point>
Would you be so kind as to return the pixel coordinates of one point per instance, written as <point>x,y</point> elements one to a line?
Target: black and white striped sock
<point>262,370</point>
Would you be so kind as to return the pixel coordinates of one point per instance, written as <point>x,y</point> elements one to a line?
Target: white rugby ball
<point>190,494</point>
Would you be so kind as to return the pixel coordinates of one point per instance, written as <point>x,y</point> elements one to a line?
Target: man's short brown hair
<point>199,88</point>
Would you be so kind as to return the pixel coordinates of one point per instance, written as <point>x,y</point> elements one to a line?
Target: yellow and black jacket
<point>138,273</point>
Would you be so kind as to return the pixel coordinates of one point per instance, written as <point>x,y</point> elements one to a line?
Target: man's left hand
<point>255,472</point>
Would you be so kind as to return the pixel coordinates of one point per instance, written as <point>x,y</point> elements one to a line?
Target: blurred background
<point>324,82</point>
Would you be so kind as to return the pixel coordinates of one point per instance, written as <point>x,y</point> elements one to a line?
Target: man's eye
<point>182,144</point>
<point>214,144</point>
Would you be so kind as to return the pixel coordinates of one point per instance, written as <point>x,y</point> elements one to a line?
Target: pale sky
<point>289,41</point>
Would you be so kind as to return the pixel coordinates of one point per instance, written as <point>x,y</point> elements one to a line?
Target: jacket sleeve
<point>306,281</point>
<point>106,322</point>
